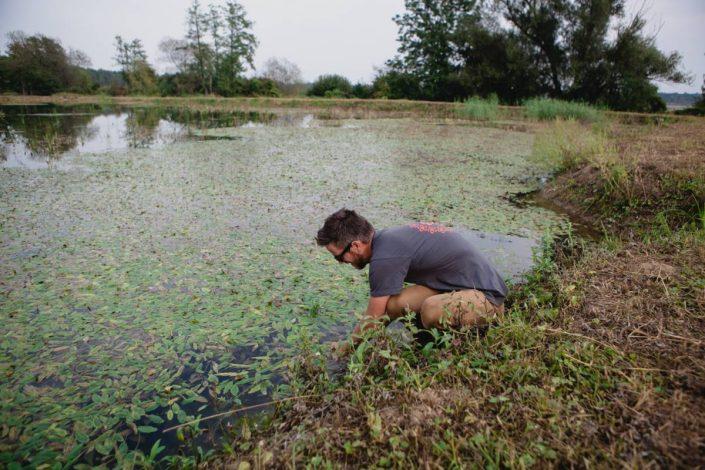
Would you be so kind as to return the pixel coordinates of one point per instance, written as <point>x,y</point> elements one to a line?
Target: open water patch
<point>535,198</point>
<point>41,136</point>
<point>512,255</point>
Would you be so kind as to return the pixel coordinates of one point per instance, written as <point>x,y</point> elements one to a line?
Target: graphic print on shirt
<point>428,227</point>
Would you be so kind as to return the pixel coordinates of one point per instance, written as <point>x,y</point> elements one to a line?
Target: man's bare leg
<point>460,308</point>
<point>411,298</point>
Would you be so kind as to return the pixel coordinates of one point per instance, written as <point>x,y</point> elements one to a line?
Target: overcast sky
<point>349,37</point>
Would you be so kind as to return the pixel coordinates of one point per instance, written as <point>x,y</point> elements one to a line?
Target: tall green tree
<point>127,53</point>
<point>570,40</point>
<point>584,50</point>
<point>220,45</point>
<point>633,62</point>
<point>214,22</point>
<point>197,30</point>
<point>40,65</point>
<point>139,76</point>
<point>495,62</point>
<point>587,29</point>
<point>426,47</point>
<point>540,23</point>
<point>239,45</point>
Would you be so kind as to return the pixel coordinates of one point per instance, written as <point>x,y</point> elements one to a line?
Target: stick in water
<point>225,413</point>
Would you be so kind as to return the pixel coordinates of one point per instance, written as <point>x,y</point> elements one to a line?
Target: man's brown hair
<point>343,227</point>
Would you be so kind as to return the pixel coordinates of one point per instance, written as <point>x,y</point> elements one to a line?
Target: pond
<point>158,265</point>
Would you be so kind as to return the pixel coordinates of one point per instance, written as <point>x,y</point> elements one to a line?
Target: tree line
<point>217,49</point>
<point>581,50</point>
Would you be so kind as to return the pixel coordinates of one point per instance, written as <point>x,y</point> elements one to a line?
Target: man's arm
<point>376,309</point>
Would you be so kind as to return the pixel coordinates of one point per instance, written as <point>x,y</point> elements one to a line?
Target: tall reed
<point>480,109</point>
<point>545,109</point>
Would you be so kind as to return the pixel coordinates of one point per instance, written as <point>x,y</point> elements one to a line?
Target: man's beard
<point>359,264</point>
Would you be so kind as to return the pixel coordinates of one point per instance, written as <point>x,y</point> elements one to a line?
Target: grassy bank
<point>549,109</point>
<point>474,108</point>
<point>599,360</point>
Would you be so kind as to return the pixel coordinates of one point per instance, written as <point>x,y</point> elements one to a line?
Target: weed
<point>565,145</point>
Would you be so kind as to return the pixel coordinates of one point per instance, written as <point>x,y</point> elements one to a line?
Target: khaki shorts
<point>459,308</point>
<point>437,309</point>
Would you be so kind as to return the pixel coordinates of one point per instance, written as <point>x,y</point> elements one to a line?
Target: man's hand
<point>376,308</point>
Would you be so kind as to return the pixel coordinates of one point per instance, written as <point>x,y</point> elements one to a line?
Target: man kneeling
<point>454,285</point>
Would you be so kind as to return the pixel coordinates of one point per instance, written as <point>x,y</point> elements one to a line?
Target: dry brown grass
<point>647,301</point>
<point>640,300</point>
<point>658,169</point>
<point>646,296</point>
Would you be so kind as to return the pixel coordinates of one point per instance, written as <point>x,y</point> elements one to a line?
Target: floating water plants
<point>145,287</point>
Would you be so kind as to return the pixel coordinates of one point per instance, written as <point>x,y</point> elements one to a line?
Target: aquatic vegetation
<point>548,109</point>
<point>599,351</point>
<point>149,286</point>
<point>480,109</point>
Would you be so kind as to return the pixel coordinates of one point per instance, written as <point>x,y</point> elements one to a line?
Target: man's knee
<point>394,306</point>
<point>398,306</point>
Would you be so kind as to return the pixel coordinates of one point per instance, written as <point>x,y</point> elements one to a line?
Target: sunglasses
<point>339,257</point>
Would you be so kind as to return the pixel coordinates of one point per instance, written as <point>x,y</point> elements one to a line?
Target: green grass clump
<point>545,109</point>
<point>567,144</point>
<point>480,109</point>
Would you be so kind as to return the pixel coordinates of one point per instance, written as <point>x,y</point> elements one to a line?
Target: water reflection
<point>513,256</point>
<point>39,136</point>
<point>29,139</point>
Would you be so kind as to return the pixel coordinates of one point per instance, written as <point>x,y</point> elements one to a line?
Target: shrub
<point>396,85</point>
<point>480,109</point>
<point>361,90</point>
<point>335,93</point>
<point>331,86</point>
<point>545,109</point>
<point>260,87</point>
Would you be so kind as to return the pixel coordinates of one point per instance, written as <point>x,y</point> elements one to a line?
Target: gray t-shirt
<point>433,256</point>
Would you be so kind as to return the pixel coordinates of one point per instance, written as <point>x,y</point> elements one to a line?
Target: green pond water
<point>158,265</point>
